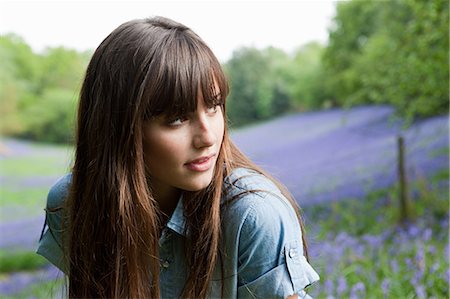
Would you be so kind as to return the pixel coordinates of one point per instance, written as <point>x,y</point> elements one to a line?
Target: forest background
<point>340,163</point>
<point>379,52</point>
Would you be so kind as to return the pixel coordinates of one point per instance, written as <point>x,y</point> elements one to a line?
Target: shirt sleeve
<point>51,240</point>
<point>271,263</point>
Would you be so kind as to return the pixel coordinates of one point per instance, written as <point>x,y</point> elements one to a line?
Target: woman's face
<point>182,152</point>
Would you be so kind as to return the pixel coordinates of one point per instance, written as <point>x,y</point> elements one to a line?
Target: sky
<point>224,25</point>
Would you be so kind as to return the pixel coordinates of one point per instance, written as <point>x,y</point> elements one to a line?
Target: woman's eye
<point>213,109</point>
<point>176,121</point>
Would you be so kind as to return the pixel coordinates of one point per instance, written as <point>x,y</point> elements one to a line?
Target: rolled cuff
<point>51,250</point>
<point>291,277</point>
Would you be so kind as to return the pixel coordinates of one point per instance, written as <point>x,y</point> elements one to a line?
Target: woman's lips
<point>200,164</point>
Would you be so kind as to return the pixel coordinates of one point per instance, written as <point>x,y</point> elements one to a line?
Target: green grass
<point>23,197</point>
<point>380,209</point>
<point>22,194</point>
<point>365,252</point>
<point>15,261</point>
<point>34,165</point>
<point>19,203</point>
<point>346,226</point>
<point>43,290</point>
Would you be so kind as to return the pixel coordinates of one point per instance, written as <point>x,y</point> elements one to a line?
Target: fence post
<point>403,184</point>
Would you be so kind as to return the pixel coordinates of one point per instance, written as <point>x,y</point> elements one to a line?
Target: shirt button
<point>165,264</point>
<point>292,253</point>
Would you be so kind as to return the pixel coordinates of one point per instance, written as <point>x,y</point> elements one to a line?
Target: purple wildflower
<point>341,286</point>
<point>394,266</point>
<point>420,259</point>
<point>427,235</point>
<point>329,287</point>
<point>434,268</point>
<point>432,249</point>
<point>385,287</point>
<point>413,231</point>
<point>373,241</point>
<point>409,264</point>
<point>420,291</point>
<point>447,251</point>
<point>358,291</point>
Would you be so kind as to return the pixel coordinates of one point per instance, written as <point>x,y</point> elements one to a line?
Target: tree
<point>38,92</point>
<point>18,75</point>
<point>51,118</point>
<point>354,24</point>
<point>400,59</point>
<point>258,90</point>
<point>307,88</point>
<point>62,67</point>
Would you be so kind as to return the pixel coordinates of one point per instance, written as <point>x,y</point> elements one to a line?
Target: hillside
<point>335,154</point>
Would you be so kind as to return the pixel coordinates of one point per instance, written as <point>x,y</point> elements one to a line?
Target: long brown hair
<point>142,69</point>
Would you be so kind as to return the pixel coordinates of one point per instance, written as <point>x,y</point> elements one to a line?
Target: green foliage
<point>354,23</point>
<point>379,52</point>
<point>13,261</point>
<point>266,83</point>
<point>365,254</point>
<point>252,92</point>
<point>42,290</point>
<point>38,91</point>
<point>390,52</point>
<point>50,118</point>
<point>18,74</point>
<point>379,210</point>
<point>18,60</point>
<point>402,266</point>
<point>28,177</point>
<point>307,87</point>
<point>63,68</point>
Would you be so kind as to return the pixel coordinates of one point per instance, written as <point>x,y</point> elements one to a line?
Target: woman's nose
<point>204,132</point>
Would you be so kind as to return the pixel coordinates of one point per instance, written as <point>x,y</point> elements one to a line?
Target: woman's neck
<point>167,198</point>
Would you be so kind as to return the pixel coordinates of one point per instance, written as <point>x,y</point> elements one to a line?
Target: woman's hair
<point>144,68</point>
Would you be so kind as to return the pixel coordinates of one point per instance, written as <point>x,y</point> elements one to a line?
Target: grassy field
<point>356,244</point>
<point>26,171</point>
<point>44,290</point>
<point>363,251</point>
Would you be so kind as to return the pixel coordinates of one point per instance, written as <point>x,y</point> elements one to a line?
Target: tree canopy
<point>393,52</point>
<point>379,52</point>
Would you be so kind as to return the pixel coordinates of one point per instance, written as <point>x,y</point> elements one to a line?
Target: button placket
<point>293,253</point>
<point>165,264</point>
<point>166,254</point>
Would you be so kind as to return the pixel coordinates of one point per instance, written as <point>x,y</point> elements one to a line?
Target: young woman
<point>160,203</point>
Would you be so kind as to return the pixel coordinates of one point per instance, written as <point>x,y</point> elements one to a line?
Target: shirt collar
<point>177,221</point>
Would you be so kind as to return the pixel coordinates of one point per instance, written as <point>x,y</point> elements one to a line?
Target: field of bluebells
<point>341,167</point>
<point>361,251</point>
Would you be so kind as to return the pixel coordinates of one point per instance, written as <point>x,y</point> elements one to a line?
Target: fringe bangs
<point>186,70</point>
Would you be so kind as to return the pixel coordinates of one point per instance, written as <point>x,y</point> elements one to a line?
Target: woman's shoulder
<point>246,177</point>
<point>249,187</point>
<point>248,184</point>
<point>58,192</point>
<point>262,232</point>
<point>51,240</point>
<point>252,201</point>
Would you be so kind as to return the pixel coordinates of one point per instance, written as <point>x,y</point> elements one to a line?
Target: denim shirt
<point>261,242</point>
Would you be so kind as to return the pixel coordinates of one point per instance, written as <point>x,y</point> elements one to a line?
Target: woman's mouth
<point>201,164</point>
